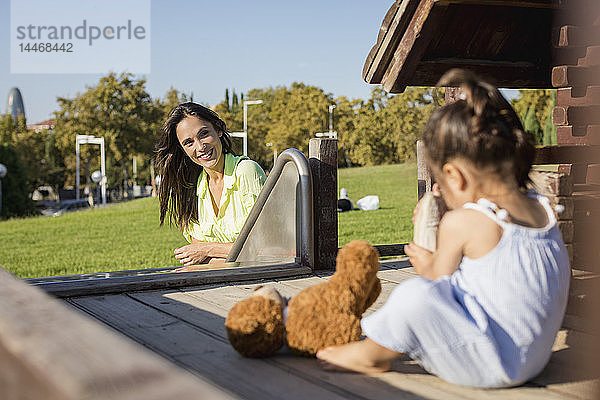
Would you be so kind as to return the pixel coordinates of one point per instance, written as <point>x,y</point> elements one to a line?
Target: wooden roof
<point>507,41</point>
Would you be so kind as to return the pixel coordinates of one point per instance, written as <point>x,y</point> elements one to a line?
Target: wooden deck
<point>186,326</point>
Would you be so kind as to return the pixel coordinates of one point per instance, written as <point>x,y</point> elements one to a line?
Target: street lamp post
<point>274,152</point>
<point>331,107</point>
<point>245,133</point>
<point>87,139</point>
<point>331,134</point>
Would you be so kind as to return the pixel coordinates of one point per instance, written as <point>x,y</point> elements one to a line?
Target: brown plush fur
<point>255,327</point>
<point>323,315</point>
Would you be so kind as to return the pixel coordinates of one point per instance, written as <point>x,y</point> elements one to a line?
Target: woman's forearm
<point>215,249</point>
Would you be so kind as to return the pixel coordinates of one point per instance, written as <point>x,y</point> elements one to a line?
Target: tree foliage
<point>380,130</point>
<point>542,102</point>
<point>16,200</point>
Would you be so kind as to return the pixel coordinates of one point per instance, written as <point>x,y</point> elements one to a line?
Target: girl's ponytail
<point>481,127</point>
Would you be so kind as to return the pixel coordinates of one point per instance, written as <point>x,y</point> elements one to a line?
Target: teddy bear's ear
<point>358,258</point>
<point>255,327</point>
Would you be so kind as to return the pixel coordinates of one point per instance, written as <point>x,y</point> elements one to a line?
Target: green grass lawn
<point>127,235</point>
<point>396,186</point>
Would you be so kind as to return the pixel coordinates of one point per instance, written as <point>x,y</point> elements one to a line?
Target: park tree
<point>36,151</point>
<point>532,125</point>
<point>296,114</point>
<point>388,126</point>
<point>543,102</point>
<point>16,187</point>
<point>119,109</point>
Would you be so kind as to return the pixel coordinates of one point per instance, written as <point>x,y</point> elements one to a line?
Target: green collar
<point>231,163</point>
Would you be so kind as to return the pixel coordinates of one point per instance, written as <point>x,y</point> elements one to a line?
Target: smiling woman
<point>205,188</point>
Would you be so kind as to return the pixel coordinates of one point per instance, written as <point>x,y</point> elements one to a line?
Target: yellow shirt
<point>242,182</point>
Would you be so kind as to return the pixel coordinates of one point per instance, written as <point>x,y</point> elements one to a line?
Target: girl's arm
<point>452,236</point>
<point>462,232</point>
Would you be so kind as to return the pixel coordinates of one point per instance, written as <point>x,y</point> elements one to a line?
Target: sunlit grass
<point>396,186</point>
<point>127,235</point>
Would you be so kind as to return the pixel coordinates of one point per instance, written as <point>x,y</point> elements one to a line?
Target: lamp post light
<point>96,178</point>
<point>3,172</point>
<point>87,139</point>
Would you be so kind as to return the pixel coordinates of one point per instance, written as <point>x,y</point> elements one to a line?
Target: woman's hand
<point>421,260</point>
<point>192,254</point>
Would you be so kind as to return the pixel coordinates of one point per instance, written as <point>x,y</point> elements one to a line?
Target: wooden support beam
<point>499,73</point>
<point>566,154</point>
<point>323,165</point>
<point>424,179</point>
<point>49,351</point>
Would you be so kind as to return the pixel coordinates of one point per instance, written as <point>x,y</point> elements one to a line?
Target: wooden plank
<point>576,115</point>
<point>48,351</point>
<point>515,4</point>
<point>408,381</point>
<point>220,300</point>
<point>576,36</point>
<point>566,154</point>
<point>413,45</point>
<point>518,75</point>
<point>424,177</point>
<point>565,75</point>
<point>576,171</point>
<point>568,206</point>
<point>200,350</point>
<point>551,183</point>
<point>578,135</point>
<point>123,284</point>
<point>593,174</point>
<point>390,33</point>
<point>572,369</point>
<point>323,165</point>
<point>591,58</point>
<point>388,250</point>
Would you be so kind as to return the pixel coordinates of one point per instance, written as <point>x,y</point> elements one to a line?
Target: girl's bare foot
<point>366,357</point>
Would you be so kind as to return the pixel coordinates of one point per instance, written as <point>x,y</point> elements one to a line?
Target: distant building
<point>14,104</point>
<point>40,126</point>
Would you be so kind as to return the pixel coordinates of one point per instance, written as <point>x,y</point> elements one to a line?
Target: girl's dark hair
<point>482,128</point>
<point>179,174</point>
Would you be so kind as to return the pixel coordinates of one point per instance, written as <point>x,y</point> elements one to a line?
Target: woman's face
<point>201,142</point>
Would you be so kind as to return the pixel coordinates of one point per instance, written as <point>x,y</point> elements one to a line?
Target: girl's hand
<point>421,259</point>
<point>192,254</point>
<point>436,192</point>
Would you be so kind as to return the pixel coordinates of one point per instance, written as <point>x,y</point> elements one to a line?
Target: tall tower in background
<point>14,104</point>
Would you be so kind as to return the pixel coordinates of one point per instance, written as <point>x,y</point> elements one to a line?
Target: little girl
<point>489,301</point>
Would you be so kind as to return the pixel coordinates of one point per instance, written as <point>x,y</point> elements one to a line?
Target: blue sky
<point>203,47</point>
<point>206,46</point>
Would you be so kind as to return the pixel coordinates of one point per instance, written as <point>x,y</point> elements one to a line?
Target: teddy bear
<point>323,315</point>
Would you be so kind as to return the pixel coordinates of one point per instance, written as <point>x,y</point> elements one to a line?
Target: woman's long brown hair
<point>179,174</point>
